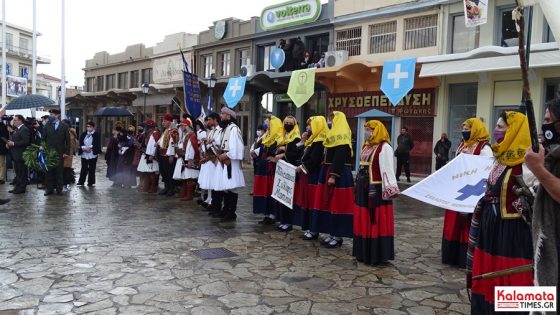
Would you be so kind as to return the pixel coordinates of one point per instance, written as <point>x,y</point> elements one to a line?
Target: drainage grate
<point>214,253</point>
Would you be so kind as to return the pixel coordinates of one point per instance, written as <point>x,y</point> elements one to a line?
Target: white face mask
<point>367,134</point>
<point>259,133</point>
<point>89,129</point>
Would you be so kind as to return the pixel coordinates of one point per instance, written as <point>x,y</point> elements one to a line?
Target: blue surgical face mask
<point>329,124</point>
<point>51,118</point>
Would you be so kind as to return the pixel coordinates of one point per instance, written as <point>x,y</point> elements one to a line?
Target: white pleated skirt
<point>237,179</point>
<point>187,173</point>
<point>145,167</point>
<point>207,171</point>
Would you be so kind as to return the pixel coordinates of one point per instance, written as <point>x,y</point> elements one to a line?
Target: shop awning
<point>487,60</point>
<point>153,100</point>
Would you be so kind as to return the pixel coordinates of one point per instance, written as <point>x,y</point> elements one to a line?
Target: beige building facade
<point>117,80</point>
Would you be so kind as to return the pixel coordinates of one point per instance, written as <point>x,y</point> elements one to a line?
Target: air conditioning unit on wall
<point>247,70</point>
<point>335,58</point>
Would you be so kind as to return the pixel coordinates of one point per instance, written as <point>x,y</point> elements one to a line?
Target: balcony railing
<point>24,52</point>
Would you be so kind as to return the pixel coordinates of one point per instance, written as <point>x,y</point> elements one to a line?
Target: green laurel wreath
<point>31,159</point>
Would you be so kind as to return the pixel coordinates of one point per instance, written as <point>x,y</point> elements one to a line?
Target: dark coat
<point>3,134</point>
<point>442,148</point>
<point>96,143</point>
<point>58,139</point>
<point>21,138</point>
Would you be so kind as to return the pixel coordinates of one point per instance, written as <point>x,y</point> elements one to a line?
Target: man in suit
<point>4,134</point>
<point>20,141</point>
<point>57,137</point>
<point>90,147</point>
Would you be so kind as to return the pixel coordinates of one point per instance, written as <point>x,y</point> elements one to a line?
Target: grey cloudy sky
<point>111,25</point>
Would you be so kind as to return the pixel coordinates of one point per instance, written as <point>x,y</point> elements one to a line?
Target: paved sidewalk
<point>107,250</point>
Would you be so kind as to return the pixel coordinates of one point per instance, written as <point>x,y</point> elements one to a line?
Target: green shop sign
<point>290,13</point>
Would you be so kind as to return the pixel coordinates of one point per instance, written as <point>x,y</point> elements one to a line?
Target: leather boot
<point>217,198</point>
<point>232,208</point>
<point>153,183</point>
<point>225,209</point>
<point>146,181</point>
<point>189,190</point>
<point>183,190</point>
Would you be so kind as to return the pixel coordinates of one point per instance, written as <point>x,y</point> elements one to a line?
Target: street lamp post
<point>145,90</point>
<point>211,82</point>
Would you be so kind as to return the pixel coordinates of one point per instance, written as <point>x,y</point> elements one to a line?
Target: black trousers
<point>403,159</point>
<point>440,163</point>
<point>55,176</point>
<point>88,169</point>
<point>166,169</point>
<point>21,175</point>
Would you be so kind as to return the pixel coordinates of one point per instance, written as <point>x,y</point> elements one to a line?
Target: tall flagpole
<point>34,66</point>
<point>4,53</point>
<point>63,75</point>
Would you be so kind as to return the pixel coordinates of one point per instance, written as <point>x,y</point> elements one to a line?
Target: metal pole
<point>3,53</point>
<point>144,112</point>
<point>34,66</point>
<point>63,75</point>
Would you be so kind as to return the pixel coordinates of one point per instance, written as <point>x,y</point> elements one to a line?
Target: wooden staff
<point>530,111</point>
<point>505,272</point>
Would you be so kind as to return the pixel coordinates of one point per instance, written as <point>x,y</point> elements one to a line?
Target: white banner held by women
<point>457,186</point>
<point>284,183</point>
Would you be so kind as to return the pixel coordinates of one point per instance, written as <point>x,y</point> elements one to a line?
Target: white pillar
<point>3,53</point>
<point>34,66</point>
<point>63,75</point>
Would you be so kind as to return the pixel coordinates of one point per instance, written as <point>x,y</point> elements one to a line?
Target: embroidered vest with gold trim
<point>503,189</point>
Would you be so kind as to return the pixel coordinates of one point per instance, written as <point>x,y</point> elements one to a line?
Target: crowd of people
<point>514,224</point>
<point>18,133</point>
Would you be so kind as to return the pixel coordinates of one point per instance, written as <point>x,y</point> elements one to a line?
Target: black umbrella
<point>29,101</point>
<point>112,112</point>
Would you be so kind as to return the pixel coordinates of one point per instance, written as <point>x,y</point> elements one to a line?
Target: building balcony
<point>24,53</point>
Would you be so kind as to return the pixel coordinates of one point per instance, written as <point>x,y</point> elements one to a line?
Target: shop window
<point>122,80</point>
<point>462,106</point>
<point>109,82</point>
<point>207,65</point>
<point>382,37</point>
<point>100,82</point>
<point>134,79</point>
<point>350,40</point>
<point>420,32</point>
<point>463,38</point>
<point>421,129</point>
<point>225,65</point>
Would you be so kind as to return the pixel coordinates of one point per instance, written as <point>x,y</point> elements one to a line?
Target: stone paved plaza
<point>107,250</point>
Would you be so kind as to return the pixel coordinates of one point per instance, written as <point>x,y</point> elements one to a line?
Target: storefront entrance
<point>421,129</point>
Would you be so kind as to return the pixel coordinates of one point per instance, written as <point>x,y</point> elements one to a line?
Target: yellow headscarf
<point>378,134</point>
<point>340,132</point>
<point>319,130</point>
<point>511,151</point>
<point>274,133</point>
<point>292,135</point>
<point>478,131</point>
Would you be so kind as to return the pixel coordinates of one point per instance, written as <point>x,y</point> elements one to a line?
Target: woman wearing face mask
<point>499,237</point>
<point>456,225</point>
<point>376,184</point>
<point>336,184</point>
<point>308,181</point>
<point>125,175</point>
<point>263,203</point>
<point>291,153</point>
<point>90,147</point>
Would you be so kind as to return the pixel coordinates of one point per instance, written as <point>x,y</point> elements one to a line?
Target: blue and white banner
<point>234,91</point>
<point>397,78</point>
<point>457,186</point>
